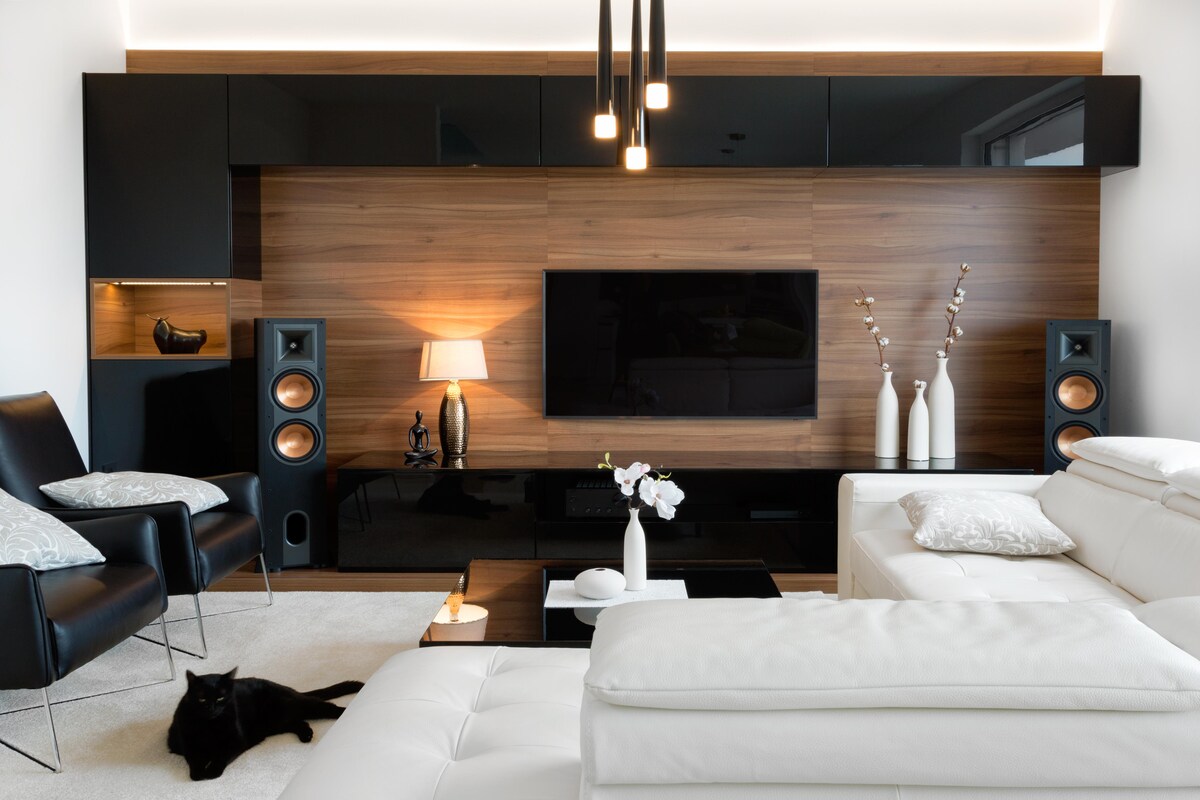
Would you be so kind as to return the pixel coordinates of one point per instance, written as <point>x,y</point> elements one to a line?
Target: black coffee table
<point>513,592</point>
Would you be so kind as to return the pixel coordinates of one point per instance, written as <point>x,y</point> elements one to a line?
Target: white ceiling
<point>571,24</point>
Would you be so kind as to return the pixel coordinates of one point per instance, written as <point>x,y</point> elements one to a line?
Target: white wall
<point>571,24</point>
<point>1150,225</point>
<point>45,46</point>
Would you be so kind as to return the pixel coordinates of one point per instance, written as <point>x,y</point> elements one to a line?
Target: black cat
<point>222,716</point>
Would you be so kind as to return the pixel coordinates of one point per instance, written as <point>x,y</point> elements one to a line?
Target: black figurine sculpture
<point>174,341</point>
<point>419,441</point>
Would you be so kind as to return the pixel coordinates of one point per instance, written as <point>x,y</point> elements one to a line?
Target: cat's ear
<point>229,676</point>
<point>191,676</point>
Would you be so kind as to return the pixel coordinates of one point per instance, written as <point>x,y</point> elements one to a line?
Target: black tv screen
<point>683,343</point>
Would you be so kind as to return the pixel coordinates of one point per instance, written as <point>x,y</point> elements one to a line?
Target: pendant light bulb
<point>656,80</point>
<point>636,158</point>
<point>606,126</point>
<point>657,95</point>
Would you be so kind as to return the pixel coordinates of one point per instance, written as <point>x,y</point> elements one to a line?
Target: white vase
<point>941,413</point>
<point>918,427</point>
<point>635,554</point>
<point>887,420</point>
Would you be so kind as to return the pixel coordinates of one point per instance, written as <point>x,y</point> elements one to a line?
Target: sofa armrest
<point>243,491</point>
<point>27,658</point>
<point>868,500</point>
<point>176,542</point>
<point>128,538</point>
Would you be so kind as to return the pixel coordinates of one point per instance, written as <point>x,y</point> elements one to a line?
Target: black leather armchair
<point>198,550</point>
<point>56,621</point>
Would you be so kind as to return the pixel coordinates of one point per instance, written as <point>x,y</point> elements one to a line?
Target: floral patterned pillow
<point>34,538</point>
<point>1002,523</point>
<point>126,489</point>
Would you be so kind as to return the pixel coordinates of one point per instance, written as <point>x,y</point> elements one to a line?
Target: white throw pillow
<point>126,489</point>
<point>1176,619</point>
<point>1186,480</point>
<point>34,538</point>
<point>1002,523</point>
<point>1153,459</point>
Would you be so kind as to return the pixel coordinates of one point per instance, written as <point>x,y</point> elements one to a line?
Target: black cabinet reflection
<point>388,519</point>
<point>1024,121</point>
<point>381,120</point>
<point>740,122</point>
<point>568,123</point>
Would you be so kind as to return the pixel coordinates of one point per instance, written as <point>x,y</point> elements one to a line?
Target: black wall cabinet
<point>712,122</point>
<point>157,176</point>
<point>383,120</point>
<point>740,122</point>
<point>984,121</point>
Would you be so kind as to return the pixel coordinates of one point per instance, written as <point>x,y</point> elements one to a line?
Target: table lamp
<point>453,360</point>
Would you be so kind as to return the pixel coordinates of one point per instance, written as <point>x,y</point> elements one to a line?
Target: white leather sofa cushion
<point>1161,557</point>
<point>1187,481</point>
<point>1098,519</point>
<point>1143,456</point>
<point>887,564</point>
<point>1176,619</point>
<point>1116,479</point>
<point>1184,504</point>
<point>659,750</point>
<point>447,723</point>
<point>813,654</point>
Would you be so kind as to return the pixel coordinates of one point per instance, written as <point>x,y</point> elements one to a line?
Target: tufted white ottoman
<point>448,723</point>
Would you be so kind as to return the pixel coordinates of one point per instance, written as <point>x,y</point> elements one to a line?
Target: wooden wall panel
<point>392,257</point>
<point>584,63</point>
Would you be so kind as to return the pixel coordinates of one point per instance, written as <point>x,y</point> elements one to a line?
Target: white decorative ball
<point>599,583</point>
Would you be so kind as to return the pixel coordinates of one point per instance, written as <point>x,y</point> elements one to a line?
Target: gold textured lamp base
<point>454,423</point>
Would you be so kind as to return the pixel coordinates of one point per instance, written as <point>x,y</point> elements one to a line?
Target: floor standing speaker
<point>291,439</point>
<point>1077,386</point>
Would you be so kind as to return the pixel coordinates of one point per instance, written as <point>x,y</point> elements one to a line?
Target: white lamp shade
<point>453,360</point>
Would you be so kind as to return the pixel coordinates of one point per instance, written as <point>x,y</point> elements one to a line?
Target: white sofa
<point>1137,540</point>
<point>714,699</point>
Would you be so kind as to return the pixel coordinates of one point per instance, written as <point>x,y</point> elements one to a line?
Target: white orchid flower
<point>628,478</point>
<point>662,495</point>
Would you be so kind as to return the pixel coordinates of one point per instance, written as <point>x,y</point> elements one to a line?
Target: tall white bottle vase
<point>635,554</point>
<point>887,420</point>
<point>941,412</point>
<point>918,427</point>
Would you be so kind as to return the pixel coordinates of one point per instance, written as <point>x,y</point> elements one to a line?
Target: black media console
<point>778,507</point>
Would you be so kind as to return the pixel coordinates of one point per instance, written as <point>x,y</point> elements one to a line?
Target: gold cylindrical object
<point>295,391</point>
<point>295,441</point>
<point>454,423</point>
<point>1068,435</point>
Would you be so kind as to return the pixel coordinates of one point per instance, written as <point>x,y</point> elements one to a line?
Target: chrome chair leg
<point>162,622</point>
<point>262,562</point>
<point>200,626</point>
<point>53,734</point>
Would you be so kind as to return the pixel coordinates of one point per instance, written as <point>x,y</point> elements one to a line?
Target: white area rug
<point>115,746</point>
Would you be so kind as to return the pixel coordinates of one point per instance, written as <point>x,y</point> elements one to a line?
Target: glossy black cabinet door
<point>1022,121</point>
<point>740,122</point>
<point>162,415</point>
<point>383,120</point>
<point>568,114</point>
<point>157,176</point>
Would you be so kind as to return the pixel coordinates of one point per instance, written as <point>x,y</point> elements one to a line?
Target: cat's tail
<point>337,690</point>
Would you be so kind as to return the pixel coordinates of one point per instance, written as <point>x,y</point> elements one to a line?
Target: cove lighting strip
<point>168,283</point>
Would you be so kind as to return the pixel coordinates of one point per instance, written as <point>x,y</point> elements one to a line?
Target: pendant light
<point>656,81</point>
<point>635,151</point>
<point>606,112</point>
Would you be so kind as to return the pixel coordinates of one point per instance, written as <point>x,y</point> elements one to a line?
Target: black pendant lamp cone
<point>656,81</point>
<point>606,110</point>
<point>635,150</point>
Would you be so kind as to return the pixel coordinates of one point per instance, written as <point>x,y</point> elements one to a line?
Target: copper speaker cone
<point>1077,392</point>
<point>1067,436</point>
<point>295,391</point>
<point>295,441</point>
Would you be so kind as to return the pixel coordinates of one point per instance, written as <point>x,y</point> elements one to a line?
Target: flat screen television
<point>679,343</point>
